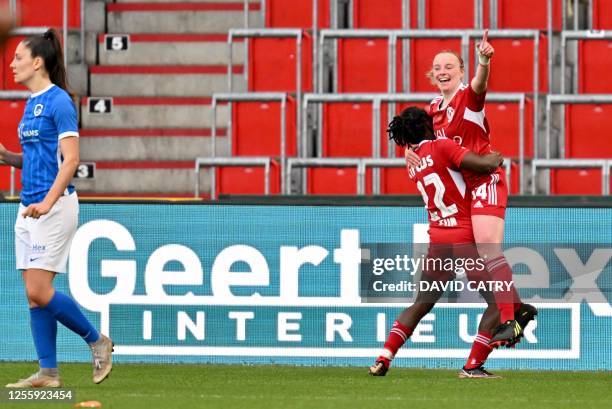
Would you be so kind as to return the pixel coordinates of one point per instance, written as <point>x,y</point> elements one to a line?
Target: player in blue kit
<point>48,214</point>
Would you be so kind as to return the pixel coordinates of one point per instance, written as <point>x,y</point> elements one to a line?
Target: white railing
<point>568,99</point>
<point>602,164</point>
<point>233,161</point>
<point>255,97</point>
<point>576,36</point>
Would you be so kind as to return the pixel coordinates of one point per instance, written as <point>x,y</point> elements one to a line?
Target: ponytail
<point>48,48</point>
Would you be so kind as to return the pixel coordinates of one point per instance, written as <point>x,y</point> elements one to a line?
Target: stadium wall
<point>157,277</point>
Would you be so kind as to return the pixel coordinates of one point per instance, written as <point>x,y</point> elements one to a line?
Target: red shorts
<point>452,235</point>
<point>490,195</point>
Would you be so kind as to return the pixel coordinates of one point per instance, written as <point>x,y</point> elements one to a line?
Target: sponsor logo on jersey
<point>38,109</point>
<point>478,205</point>
<point>29,133</point>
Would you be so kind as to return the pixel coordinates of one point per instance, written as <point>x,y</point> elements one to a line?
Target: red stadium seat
<point>296,14</point>
<point>335,181</point>
<point>450,14</point>
<point>503,118</point>
<point>382,14</point>
<point>422,53</point>
<point>2,70</point>
<point>12,112</point>
<point>347,129</point>
<point>513,64</point>
<point>247,180</point>
<point>594,61</point>
<point>602,14</point>
<point>395,181</point>
<point>272,64</point>
<point>511,14</point>
<point>9,53</point>
<point>363,65</point>
<point>48,13</point>
<point>575,181</point>
<point>584,137</point>
<point>256,128</point>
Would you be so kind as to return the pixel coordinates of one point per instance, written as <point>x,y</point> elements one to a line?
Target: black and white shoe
<point>478,372</point>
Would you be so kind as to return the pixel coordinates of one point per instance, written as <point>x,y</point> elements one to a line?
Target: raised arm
<point>482,164</point>
<point>485,52</point>
<point>10,158</point>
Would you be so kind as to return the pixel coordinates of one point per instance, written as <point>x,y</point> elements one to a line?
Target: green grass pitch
<point>176,386</point>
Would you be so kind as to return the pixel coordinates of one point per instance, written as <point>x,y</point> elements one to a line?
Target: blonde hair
<point>429,74</point>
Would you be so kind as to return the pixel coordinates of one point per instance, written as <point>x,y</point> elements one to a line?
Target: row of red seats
<point>362,64</point>
<point>45,13</point>
<point>511,14</point>
<point>347,133</point>
<point>439,14</point>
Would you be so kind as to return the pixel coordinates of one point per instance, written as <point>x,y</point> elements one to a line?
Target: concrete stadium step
<point>172,49</point>
<point>163,81</point>
<point>155,113</point>
<point>143,177</point>
<point>158,17</point>
<point>149,144</point>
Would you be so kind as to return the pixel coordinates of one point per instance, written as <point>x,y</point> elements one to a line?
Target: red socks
<point>501,271</point>
<point>480,350</point>
<point>398,335</point>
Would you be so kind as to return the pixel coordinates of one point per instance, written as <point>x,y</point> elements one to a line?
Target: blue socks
<point>44,332</point>
<point>66,311</point>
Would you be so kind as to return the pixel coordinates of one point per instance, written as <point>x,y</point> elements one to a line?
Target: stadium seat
<point>296,14</point>
<point>395,181</point>
<point>272,64</point>
<point>247,180</point>
<point>9,53</point>
<point>12,112</point>
<point>380,14</point>
<point>504,120</point>
<point>513,64</point>
<point>347,129</point>
<point>363,65</point>
<point>575,182</point>
<point>583,130</point>
<point>48,13</point>
<point>449,14</point>
<point>511,14</point>
<point>602,14</point>
<point>256,128</point>
<point>594,61</point>
<point>335,181</point>
<point>422,53</point>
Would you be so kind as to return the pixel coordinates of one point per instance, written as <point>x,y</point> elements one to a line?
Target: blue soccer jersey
<point>49,116</point>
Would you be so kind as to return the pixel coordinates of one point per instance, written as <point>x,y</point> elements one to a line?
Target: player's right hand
<point>412,159</point>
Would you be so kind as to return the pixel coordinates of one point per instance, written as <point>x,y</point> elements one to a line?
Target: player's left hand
<point>485,49</point>
<point>36,210</point>
<point>412,159</point>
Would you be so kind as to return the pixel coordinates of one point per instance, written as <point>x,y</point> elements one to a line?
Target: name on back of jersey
<point>426,162</point>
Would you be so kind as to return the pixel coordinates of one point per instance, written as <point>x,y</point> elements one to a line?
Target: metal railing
<point>326,162</point>
<point>266,33</point>
<point>401,163</point>
<point>568,99</point>
<point>603,164</point>
<point>253,97</point>
<point>232,161</point>
<point>377,99</point>
<point>577,36</point>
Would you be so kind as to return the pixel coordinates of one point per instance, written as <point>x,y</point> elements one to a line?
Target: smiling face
<point>447,72</point>
<point>25,67</point>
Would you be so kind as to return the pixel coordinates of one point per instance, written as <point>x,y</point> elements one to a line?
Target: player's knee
<point>37,293</point>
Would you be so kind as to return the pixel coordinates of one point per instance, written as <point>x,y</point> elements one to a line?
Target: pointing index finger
<point>485,36</point>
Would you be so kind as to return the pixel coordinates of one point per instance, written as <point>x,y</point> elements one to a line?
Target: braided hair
<point>411,126</point>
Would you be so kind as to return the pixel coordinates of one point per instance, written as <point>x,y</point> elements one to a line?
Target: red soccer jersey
<point>463,120</point>
<point>441,184</point>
